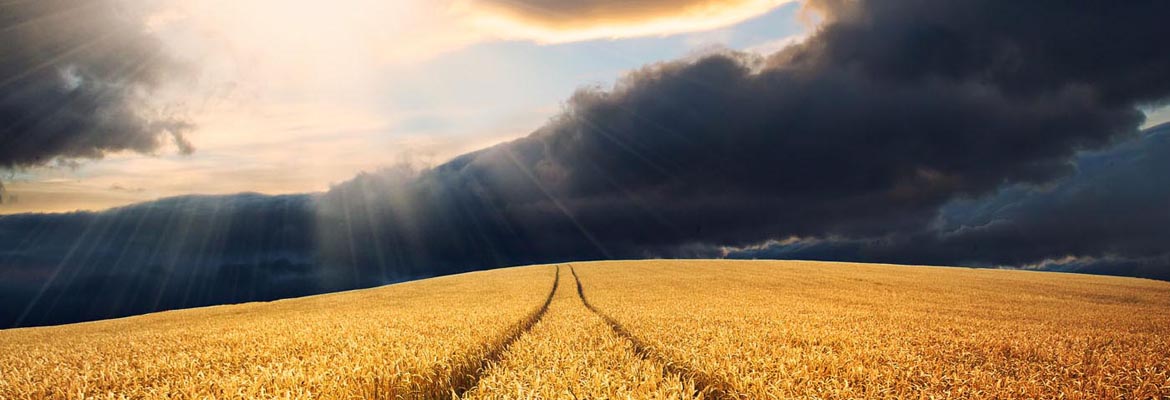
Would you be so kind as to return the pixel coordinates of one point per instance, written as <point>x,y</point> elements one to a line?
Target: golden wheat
<point>646,329</point>
<point>420,339</point>
<point>803,330</point>
<point>573,354</point>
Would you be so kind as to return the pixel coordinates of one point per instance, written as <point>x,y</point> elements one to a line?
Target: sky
<point>255,150</point>
<point>292,97</point>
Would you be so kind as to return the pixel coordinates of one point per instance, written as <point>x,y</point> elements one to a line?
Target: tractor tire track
<point>468,378</point>
<point>709,387</point>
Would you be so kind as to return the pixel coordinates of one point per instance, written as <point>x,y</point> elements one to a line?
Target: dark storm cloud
<point>1119,199</point>
<point>1106,47</point>
<point>903,130</point>
<point>74,77</point>
<point>172,253</point>
<point>892,110</point>
<point>713,152</point>
<point>1114,211</point>
<point>1110,217</point>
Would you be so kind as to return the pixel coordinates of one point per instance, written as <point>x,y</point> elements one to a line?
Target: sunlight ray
<point>55,59</point>
<point>105,95</point>
<point>65,261</point>
<point>49,16</point>
<point>564,210</point>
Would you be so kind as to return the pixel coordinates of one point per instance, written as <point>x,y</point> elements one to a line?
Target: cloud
<point>75,80</point>
<point>177,252</point>
<point>900,131</point>
<point>867,128</point>
<point>1099,47</point>
<point>565,21</point>
<point>1108,217</point>
<point>592,11</point>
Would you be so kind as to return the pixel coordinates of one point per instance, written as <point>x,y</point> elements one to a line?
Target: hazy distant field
<point>640,329</point>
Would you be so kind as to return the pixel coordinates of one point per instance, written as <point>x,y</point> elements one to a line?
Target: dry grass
<point>825,330</point>
<point>751,330</point>
<point>420,339</point>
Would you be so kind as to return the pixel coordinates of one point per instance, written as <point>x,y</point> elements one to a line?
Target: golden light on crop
<point>634,329</point>
<point>421,339</point>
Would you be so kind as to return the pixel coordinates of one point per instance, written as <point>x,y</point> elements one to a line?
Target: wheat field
<point>633,330</point>
<point>422,339</point>
<point>778,330</point>
<point>573,354</point>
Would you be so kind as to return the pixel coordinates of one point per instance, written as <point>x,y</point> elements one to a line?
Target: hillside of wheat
<point>633,329</point>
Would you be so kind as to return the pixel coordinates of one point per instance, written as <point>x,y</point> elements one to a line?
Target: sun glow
<point>308,33</point>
